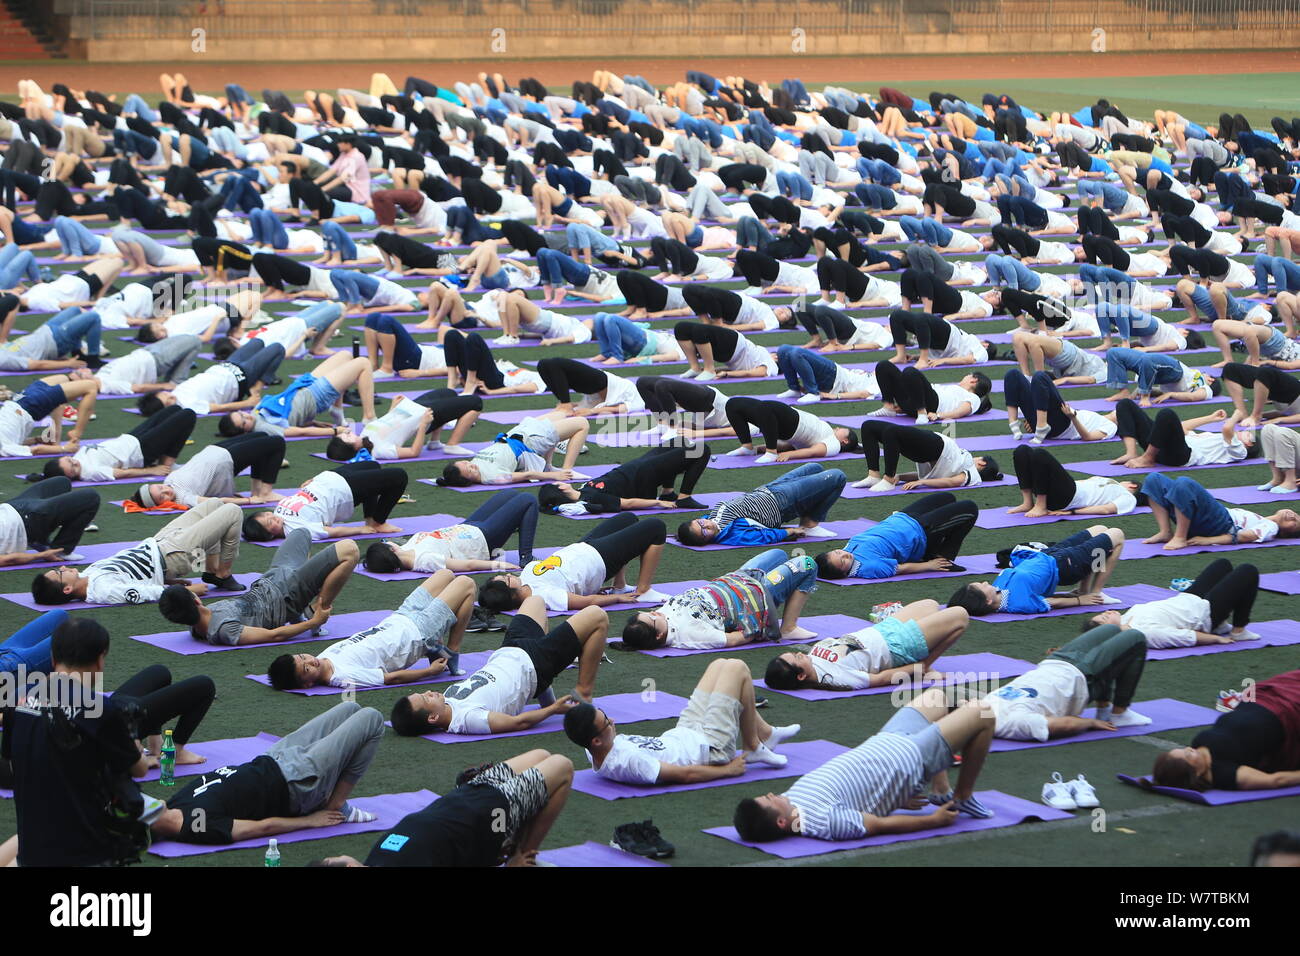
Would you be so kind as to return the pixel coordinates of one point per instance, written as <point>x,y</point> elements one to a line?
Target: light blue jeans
<point>74,238</point>
<point>619,337</point>
<point>1151,368</point>
<point>783,575</point>
<point>1011,272</point>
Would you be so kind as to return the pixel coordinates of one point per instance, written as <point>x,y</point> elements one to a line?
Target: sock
<point>1103,713</point>
<point>1130,718</point>
<point>352,815</point>
<point>781,734</point>
<point>972,807</point>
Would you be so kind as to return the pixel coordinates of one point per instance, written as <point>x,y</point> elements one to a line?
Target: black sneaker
<point>690,504</point>
<point>629,837</point>
<point>660,848</point>
<point>352,397</point>
<point>760,702</point>
<point>222,584</point>
<point>478,621</point>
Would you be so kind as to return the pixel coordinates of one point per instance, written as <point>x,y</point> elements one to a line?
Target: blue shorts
<point>431,615</point>
<point>909,722</point>
<point>497,280</point>
<point>905,640</point>
<point>324,392</point>
<point>39,399</point>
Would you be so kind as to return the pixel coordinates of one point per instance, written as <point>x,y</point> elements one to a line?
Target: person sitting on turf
<point>276,607</point>
<point>854,795</point>
<point>700,747</point>
<point>467,546</point>
<point>941,462</point>
<point>738,608</point>
<point>331,497</point>
<point>1199,519</point>
<point>151,448</point>
<point>1029,585</point>
<point>646,481</point>
<point>899,649</point>
<point>429,623</point>
<point>925,536</point>
<point>1198,615</point>
<point>756,517</point>
<point>302,782</point>
<point>499,813</point>
<point>139,573</point>
<point>574,576</point>
<point>211,473</point>
<point>1255,746</point>
<point>1104,664</point>
<point>523,453</point>
<point>1046,488</point>
<point>493,698</point>
<point>294,411</point>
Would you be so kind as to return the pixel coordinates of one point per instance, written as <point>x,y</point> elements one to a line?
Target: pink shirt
<point>353,165</point>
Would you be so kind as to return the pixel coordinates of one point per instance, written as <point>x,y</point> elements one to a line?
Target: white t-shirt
<point>1144,263</point>
<point>196,321</point>
<point>362,660</point>
<point>389,293</point>
<point>1244,520</point>
<point>1172,622</point>
<point>635,758</point>
<point>890,292</point>
<point>433,548</point>
<point>618,391</point>
<point>812,430</point>
<point>798,277</point>
<point>952,397</point>
<point>217,385</point>
<point>1093,421</point>
<point>1238,275</point>
<point>98,461</point>
<point>1054,253</point>
<point>854,380</point>
<point>574,569</point>
<point>132,576</point>
<point>1055,688</point>
<point>868,334</point>
<point>53,296</point>
<point>13,533</point>
<point>1209,448</point>
<point>394,430</point>
<point>15,423</point>
<point>963,343</point>
<point>514,375</point>
<point>748,355</point>
<point>133,301</point>
<point>963,242</point>
<point>1098,490</point>
<point>505,684</point>
<point>17,354</point>
<point>953,460</point>
<point>752,310</point>
<point>326,501</point>
<point>120,376</point>
<point>847,662</point>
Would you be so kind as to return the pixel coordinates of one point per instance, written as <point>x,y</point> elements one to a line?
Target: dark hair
<point>1279,841</point>
<point>1171,771</point>
<point>177,604</point>
<point>992,350</point>
<point>1195,340</point>
<point>146,335</point>
<point>781,675</point>
<point>756,824</point>
<point>48,591</point>
<point>990,471</point>
<point>226,426</point>
<point>825,570</point>
<point>496,596</point>
<point>78,642</point>
<point>452,478</point>
<point>549,498</point>
<point>1216,387</point>
<point>223,348</point>
<point>1065,202</point>
<point>149,404</point>
<point>406,720</point>
<point>970,598</point>
<point>137,497</point>
<point>282,673</point>
<point>688,535</point>
<point>640,635</point>
<point>51,469</point>
<point>982,384</point>
<point>339,450</point>
<point>253,530</point>
<point>580,725</point>
<point>381,559</point>
<point>851,443</point>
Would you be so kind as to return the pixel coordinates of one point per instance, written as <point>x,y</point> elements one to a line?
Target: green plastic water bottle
<point>272,853</point>
<point>167,761</point>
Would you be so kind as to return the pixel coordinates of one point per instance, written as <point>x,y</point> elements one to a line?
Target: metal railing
<point>452,19</point>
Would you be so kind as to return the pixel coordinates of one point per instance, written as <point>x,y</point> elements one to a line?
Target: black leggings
<point>1039,473</point>
<point>907,441</point>
<point>757,267</point>
<point>411,254</point>
<point>951,199</point>
<point>1185,229</point>
<point>375,489</point>
<point>946,522</point>
<point>1011,240</point>
<point>723,341</point>
<point>831,324</point>
<point>470,353</point>
<point>1230,591</point>
<point>721,304</point>
<point>621,538</point>
<point>776,420</point>
<point>837,275</point>
<point>262,454</point>
<point>277,271</point>
<point>672,172</point>
<point>931,332</point>
<point>1282,389</point>
<point>222,254</point>
<point>775,207</point>
<point>1206,262</point>
<point>664,395</point>
<point>448,405</point>
<point>187,702</point>
<point>907,388</point>
<point>1165,433</point>
<point>562,375</point>
<point>1106,251</point>
<point>736,176</point>
<point>672,256</point>
<point>164,435</point>
<point>523,236</point>
<point>657,469</point>
<point>916,286</point>
<point>1092,220</point>
<point>54,505</point>
<point>640,290</point>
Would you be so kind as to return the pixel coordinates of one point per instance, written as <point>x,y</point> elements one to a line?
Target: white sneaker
<point>766,458</point>
<point>753,290</point>
<point>72,557</point>
<point>1107,599</point>
<point>923,419</point>
<point>458,450</point>
<point>1280,490</point>
<point>881,412</point>
<point>706,377</point>
<point>883,485</point>
<point>743,451</point>
<point>818,532</point>
<point>435,446</point>
<point>810,398</point>
<point>1057,795</point>
<point>788,393</point>
<point>865,482</point>
<point>1245,635</point>
<point>838,305</point>
<point>507,340</point>
<point>1085,797</point>
<point>1266,486</point>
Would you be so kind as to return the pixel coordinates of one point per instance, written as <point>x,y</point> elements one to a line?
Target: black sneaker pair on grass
<point>481,620</point>
<point>643,839</point>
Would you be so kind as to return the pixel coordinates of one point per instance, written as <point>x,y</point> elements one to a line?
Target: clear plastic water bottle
<point>272,853</point>
<point>167,761</point>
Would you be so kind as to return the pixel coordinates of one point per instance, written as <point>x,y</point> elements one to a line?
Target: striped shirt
<point>877,777</point>
<point>760,505</point>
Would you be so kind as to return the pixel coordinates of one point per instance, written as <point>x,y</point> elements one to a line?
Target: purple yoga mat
<point>1127,595</point>
<point>1211,798</point>
<point>822,625</point>
<point>389,808</point>
<point>708,500</point>
<point>1119,471</point>
<point>90,553</point>
<point>97,484</point>
<point>804,757</point>
<point>1138,550</point>
<point>409,524</point>
<point>1007,811</point>
<point>220,753</point>
<point>424,455</point>
<point>973,563</point>
<point>960,669</point>
<point>512,556</point>
<point>1283,633</point>
<point>842,529</point>
<point>721,461</point>
<point>1250,495</point>
<point>851,492</point>
<point>338,627</point>
<point>513,416</point>
<point>855,421</point>
<point>672,588</point>
<point>592,853</point>
<point>1165,714</point>
<point>620,708</point>
<point>246,504</point>
<point>591,471</point>
<point>1282,582</point>
<point>468,662</point>
<point>24,598</point>
<point>998,518</point>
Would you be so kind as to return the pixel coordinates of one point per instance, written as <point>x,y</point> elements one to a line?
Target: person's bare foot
<point>1160,538</point>
<point>797,634</point>
<point>935,676</point>
<point>1019,509</point>
<point>187,757</point>
<point>1036,513</point>
<point>1121,460</point>
<point>385,528</point>
<point>1175,544</point>
<point>1137,463</point>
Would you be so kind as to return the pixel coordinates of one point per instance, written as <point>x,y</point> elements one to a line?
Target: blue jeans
<point>1186,495</point>
<point>338,240</point>
<point>996,167</point>
<point>135,103</point>
<point>1027,189</point>
<point>619,337</point>
<point>558,269</point>
<point>29,646</point>
<point>1077,554</point>
<point>354,286</point>
<point>925,230</point>
<point>406,353</point>
<point>1112,197</point>
<point>579,235</point>
<point>75,238</point>
<point>71,326</point>
<point>1285,273</point>
<point>1116,286</point>
<point>240,194</point>
<point>808,491</point>
<point>794,185</point>
<point>502,515</point>
<point>17,265</point>
<point>1202,300</point>
<point>875,196</point>
<point>1152,368</point>
<point>1031,396</point>
<point>268,230</point>
<point>751,232</point>
<point>320,316</point>
<point>129,142</point>
<point>783,575</point>
<point>1125,320</point>
<point>878,171</point>
<point>1011,272</point>
<point>461,219</point>
<point>806,370</point>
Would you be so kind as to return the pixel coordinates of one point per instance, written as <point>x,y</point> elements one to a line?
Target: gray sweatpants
<point>153,250</point>
<point>174,356</point>
<point>926,259</point>
<point>337,745</point>
<point>210,528</point>
<point>692,152</point>
<point>705,204</point>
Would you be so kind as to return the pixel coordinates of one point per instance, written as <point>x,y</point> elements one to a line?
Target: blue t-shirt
<point>878,551</point>
<point>1028,582</point>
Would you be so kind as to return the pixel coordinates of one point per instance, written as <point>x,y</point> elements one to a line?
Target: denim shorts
<point>497,280</point>
<point>324,392</point>
<point>905,640</point>
<point>431,615</point>
<point>909,722</point>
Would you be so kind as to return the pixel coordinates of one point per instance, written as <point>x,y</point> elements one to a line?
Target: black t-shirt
<point>464,828</point>
<point>1244,737</point>
<point>61,772</point>
<point>213,802</point>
